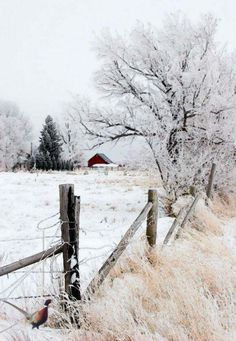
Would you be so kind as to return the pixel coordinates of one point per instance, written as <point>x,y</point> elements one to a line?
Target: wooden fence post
<point>192,190</point>
<point>74,241</point>
<point>151,231</point>
<point>69,238</point>
<point>210,181</point>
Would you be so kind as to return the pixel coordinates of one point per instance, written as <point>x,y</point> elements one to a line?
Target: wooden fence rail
<point>174,226</point>
<point>177,220</point>
<point>114,256</point>
<point>4,270</point>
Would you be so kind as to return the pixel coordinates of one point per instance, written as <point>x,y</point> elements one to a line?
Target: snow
<point>109,204</point>
<point>104,165</point>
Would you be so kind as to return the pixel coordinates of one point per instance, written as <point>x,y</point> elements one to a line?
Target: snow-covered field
<point>110,201</point>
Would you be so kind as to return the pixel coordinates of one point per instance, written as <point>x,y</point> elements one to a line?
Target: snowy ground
<point>110,201</point>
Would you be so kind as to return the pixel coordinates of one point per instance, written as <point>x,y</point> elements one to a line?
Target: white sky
<point>46,45</point>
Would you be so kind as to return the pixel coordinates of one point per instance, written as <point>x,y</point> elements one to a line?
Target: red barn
<point>99,158</point>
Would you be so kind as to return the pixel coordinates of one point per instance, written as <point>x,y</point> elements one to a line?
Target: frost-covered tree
<point>71,136</point>
<point>49,151</point>
<point>173,88</point>
<point>15,135</point>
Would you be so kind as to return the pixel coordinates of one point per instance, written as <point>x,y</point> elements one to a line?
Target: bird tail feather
<point>25,313</point>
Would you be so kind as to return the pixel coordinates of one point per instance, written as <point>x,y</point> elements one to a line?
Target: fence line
<point>69,224</point>
<point>68,245</point>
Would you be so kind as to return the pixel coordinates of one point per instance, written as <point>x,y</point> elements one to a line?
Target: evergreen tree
<point>50,140</point>
<point>40,161</point>
<point>54,163</point>
<point>50,146</point>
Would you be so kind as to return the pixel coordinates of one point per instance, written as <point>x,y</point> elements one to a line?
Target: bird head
<point>47,302</point>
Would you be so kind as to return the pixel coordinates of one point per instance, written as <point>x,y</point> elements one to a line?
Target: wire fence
<point>39,268</point>
<point>52,271</point>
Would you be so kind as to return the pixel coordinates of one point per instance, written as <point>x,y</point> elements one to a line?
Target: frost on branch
<point>175,88</point>
<point>15,135</point>
<point>71,135</point>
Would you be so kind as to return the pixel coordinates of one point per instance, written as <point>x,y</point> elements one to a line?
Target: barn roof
<point>104,157</point>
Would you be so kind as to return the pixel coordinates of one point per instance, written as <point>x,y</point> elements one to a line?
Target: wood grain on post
<point>151,231</point>
<point>114,256</point>
<point>67,217</point>
<point>210,181</point>
<point>4,270</point>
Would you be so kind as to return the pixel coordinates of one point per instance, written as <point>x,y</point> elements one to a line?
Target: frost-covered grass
<point>185,291</point>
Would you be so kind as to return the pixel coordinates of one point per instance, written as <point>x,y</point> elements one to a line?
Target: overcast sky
<point>46,45</point>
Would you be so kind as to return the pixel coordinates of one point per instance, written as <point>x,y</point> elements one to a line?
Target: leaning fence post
<point>188,215</point>
<point>151,231</point>
<point>114,256</point>
<point>173,226</point>
<point>210,181</point>
<point>67,218</point>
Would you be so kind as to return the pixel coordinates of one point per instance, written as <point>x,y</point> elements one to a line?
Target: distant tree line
<point>58,143</point>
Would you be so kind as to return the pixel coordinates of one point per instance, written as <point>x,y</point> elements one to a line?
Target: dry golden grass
<point>224,204</point>
<point>182,292</point>
<point>205,220</point>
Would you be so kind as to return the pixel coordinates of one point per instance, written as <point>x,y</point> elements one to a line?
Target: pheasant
<point>37,318</point>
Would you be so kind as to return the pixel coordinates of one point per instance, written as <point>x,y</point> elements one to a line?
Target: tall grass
<point>182,292</point>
